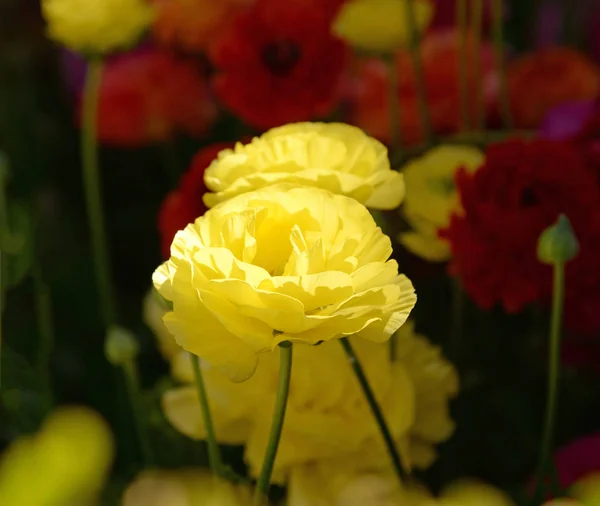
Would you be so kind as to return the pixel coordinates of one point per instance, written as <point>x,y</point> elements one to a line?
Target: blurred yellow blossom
<point>334,156</point>
<point>63,464</point>
<point>586,492</point>
<point>472,493</point>
<point>431,197</point>
<point>153,311</point>
<point>280,264</point>
<point>380,25</point>
<point>185,487</point>
<point>96,26</point>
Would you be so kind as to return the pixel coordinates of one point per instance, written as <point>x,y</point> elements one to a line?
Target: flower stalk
<point>283,388</point>
<point>394,105</point>
<point>93,191</point>
<point>43,302</point>
<point>214,453</point>
<point>375,409</point>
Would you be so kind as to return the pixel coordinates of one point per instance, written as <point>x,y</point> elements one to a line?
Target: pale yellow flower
<point>184,487</point>
<point>472,493</point>
<point>64,464</point>
<point>334,156</point>
<point>431,197</point>
<point>153,311</point>
<point>96,26</point>
<point>280,264</point>
<point>380,25</point>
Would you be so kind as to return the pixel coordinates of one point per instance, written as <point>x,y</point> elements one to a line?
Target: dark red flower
<point>184,204</point>
<point>278,63</point>
<point>519,191</point>
<point>147,96</point>
<point>578,459</point>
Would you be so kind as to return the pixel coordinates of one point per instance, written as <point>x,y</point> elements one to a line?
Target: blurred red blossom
<point>184,204</point>
<point>368,98</point>
<point>278,63</point>
<point>147,96</point>
<point>540,81</point>
<point>519,191</point>
<point>578,460</point>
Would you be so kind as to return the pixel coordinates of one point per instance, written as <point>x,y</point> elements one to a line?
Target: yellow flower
<point>586,492</point>
<point>65,463</point>
<point>153,311</point>
<point>327,417</point>
<point>472,493</point>
<point>334,156</point>
<point>431,197</point>
<point>184,487</point>
<point>380,25</point>
<point>280,264</point>
<point>96,26</point>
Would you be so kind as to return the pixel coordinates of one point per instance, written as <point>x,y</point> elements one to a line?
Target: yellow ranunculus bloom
<point>96,26</point>
<point>64,464</point>
<point>334,156</point>
<point>431,197</point>
<point>186,487</point>
<point>380,25</point>
<point>280,264</point>
<point>472,493</point>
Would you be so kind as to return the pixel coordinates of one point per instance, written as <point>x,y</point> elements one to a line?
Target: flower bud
<point>558,244</point>
<point>120,346</point>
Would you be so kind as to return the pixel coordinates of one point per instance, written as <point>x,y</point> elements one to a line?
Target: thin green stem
<point>45,323</point>
<point>283,388</point>
<point>214,453</point>
<point>553,378</point>
<point>477,34</point>
<point>461,17</point>
<point>133,391</point>
<point>93,191</point>
<point>458,310</point>
<point>417,63</point>
<point>375,409</point>
<point>499,55</point>
<point>394,105</point>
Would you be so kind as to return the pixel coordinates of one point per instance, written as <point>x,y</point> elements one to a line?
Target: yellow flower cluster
<point>185,487</point>
<point>334,156</point>
<point>380,25</point>
<point>431,197</point>
<point>280,264</point>
<point>64,464</point>
<point>96,26</point>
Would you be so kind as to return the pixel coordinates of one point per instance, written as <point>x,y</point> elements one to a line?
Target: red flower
<point>578,460</point>
<point>540,81</point>
<point>184,204</point>
<point>518,192</point>
<point>278,63</point>
<point>368,88</point>
<point>146,97</point>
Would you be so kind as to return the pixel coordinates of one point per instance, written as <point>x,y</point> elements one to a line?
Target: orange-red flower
<point>540,81</point>
<point>146,97</point>
<point>368,88</point>
<point>192,24</point>
<point>278,63</point>
<point>184,204</point>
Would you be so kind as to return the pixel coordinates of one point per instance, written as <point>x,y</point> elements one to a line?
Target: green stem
<point>499,52</point>
<point>133,391</point>
<point>480,96</point>
<point>461,17</point>
<point>553,378</point>
<point>375,409</point>
<point>93,191</point>
<point>283,388</point>
<point>458,309</point>
<point>421,85</point>
<point>214,453</point>
<point>43,302</point>
<point>394,105</point>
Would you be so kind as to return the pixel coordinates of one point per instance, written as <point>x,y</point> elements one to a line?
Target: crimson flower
<point>278,63</point>
<point>184,204</point>
<point>519,191</point>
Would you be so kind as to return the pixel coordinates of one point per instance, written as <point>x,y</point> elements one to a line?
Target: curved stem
<point>93,191</point>
<point>499,49</point>
<point>480,96</point>
<point>375,409</point>
<point>553,377</point>
<point>461,17</point>
<point>394,105</point>
<point>133,391</point>
<point>214,453</point>
<point>283,388</point>
<point>419,73</point>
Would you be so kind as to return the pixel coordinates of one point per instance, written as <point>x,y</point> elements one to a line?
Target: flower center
<point>280,57</point>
